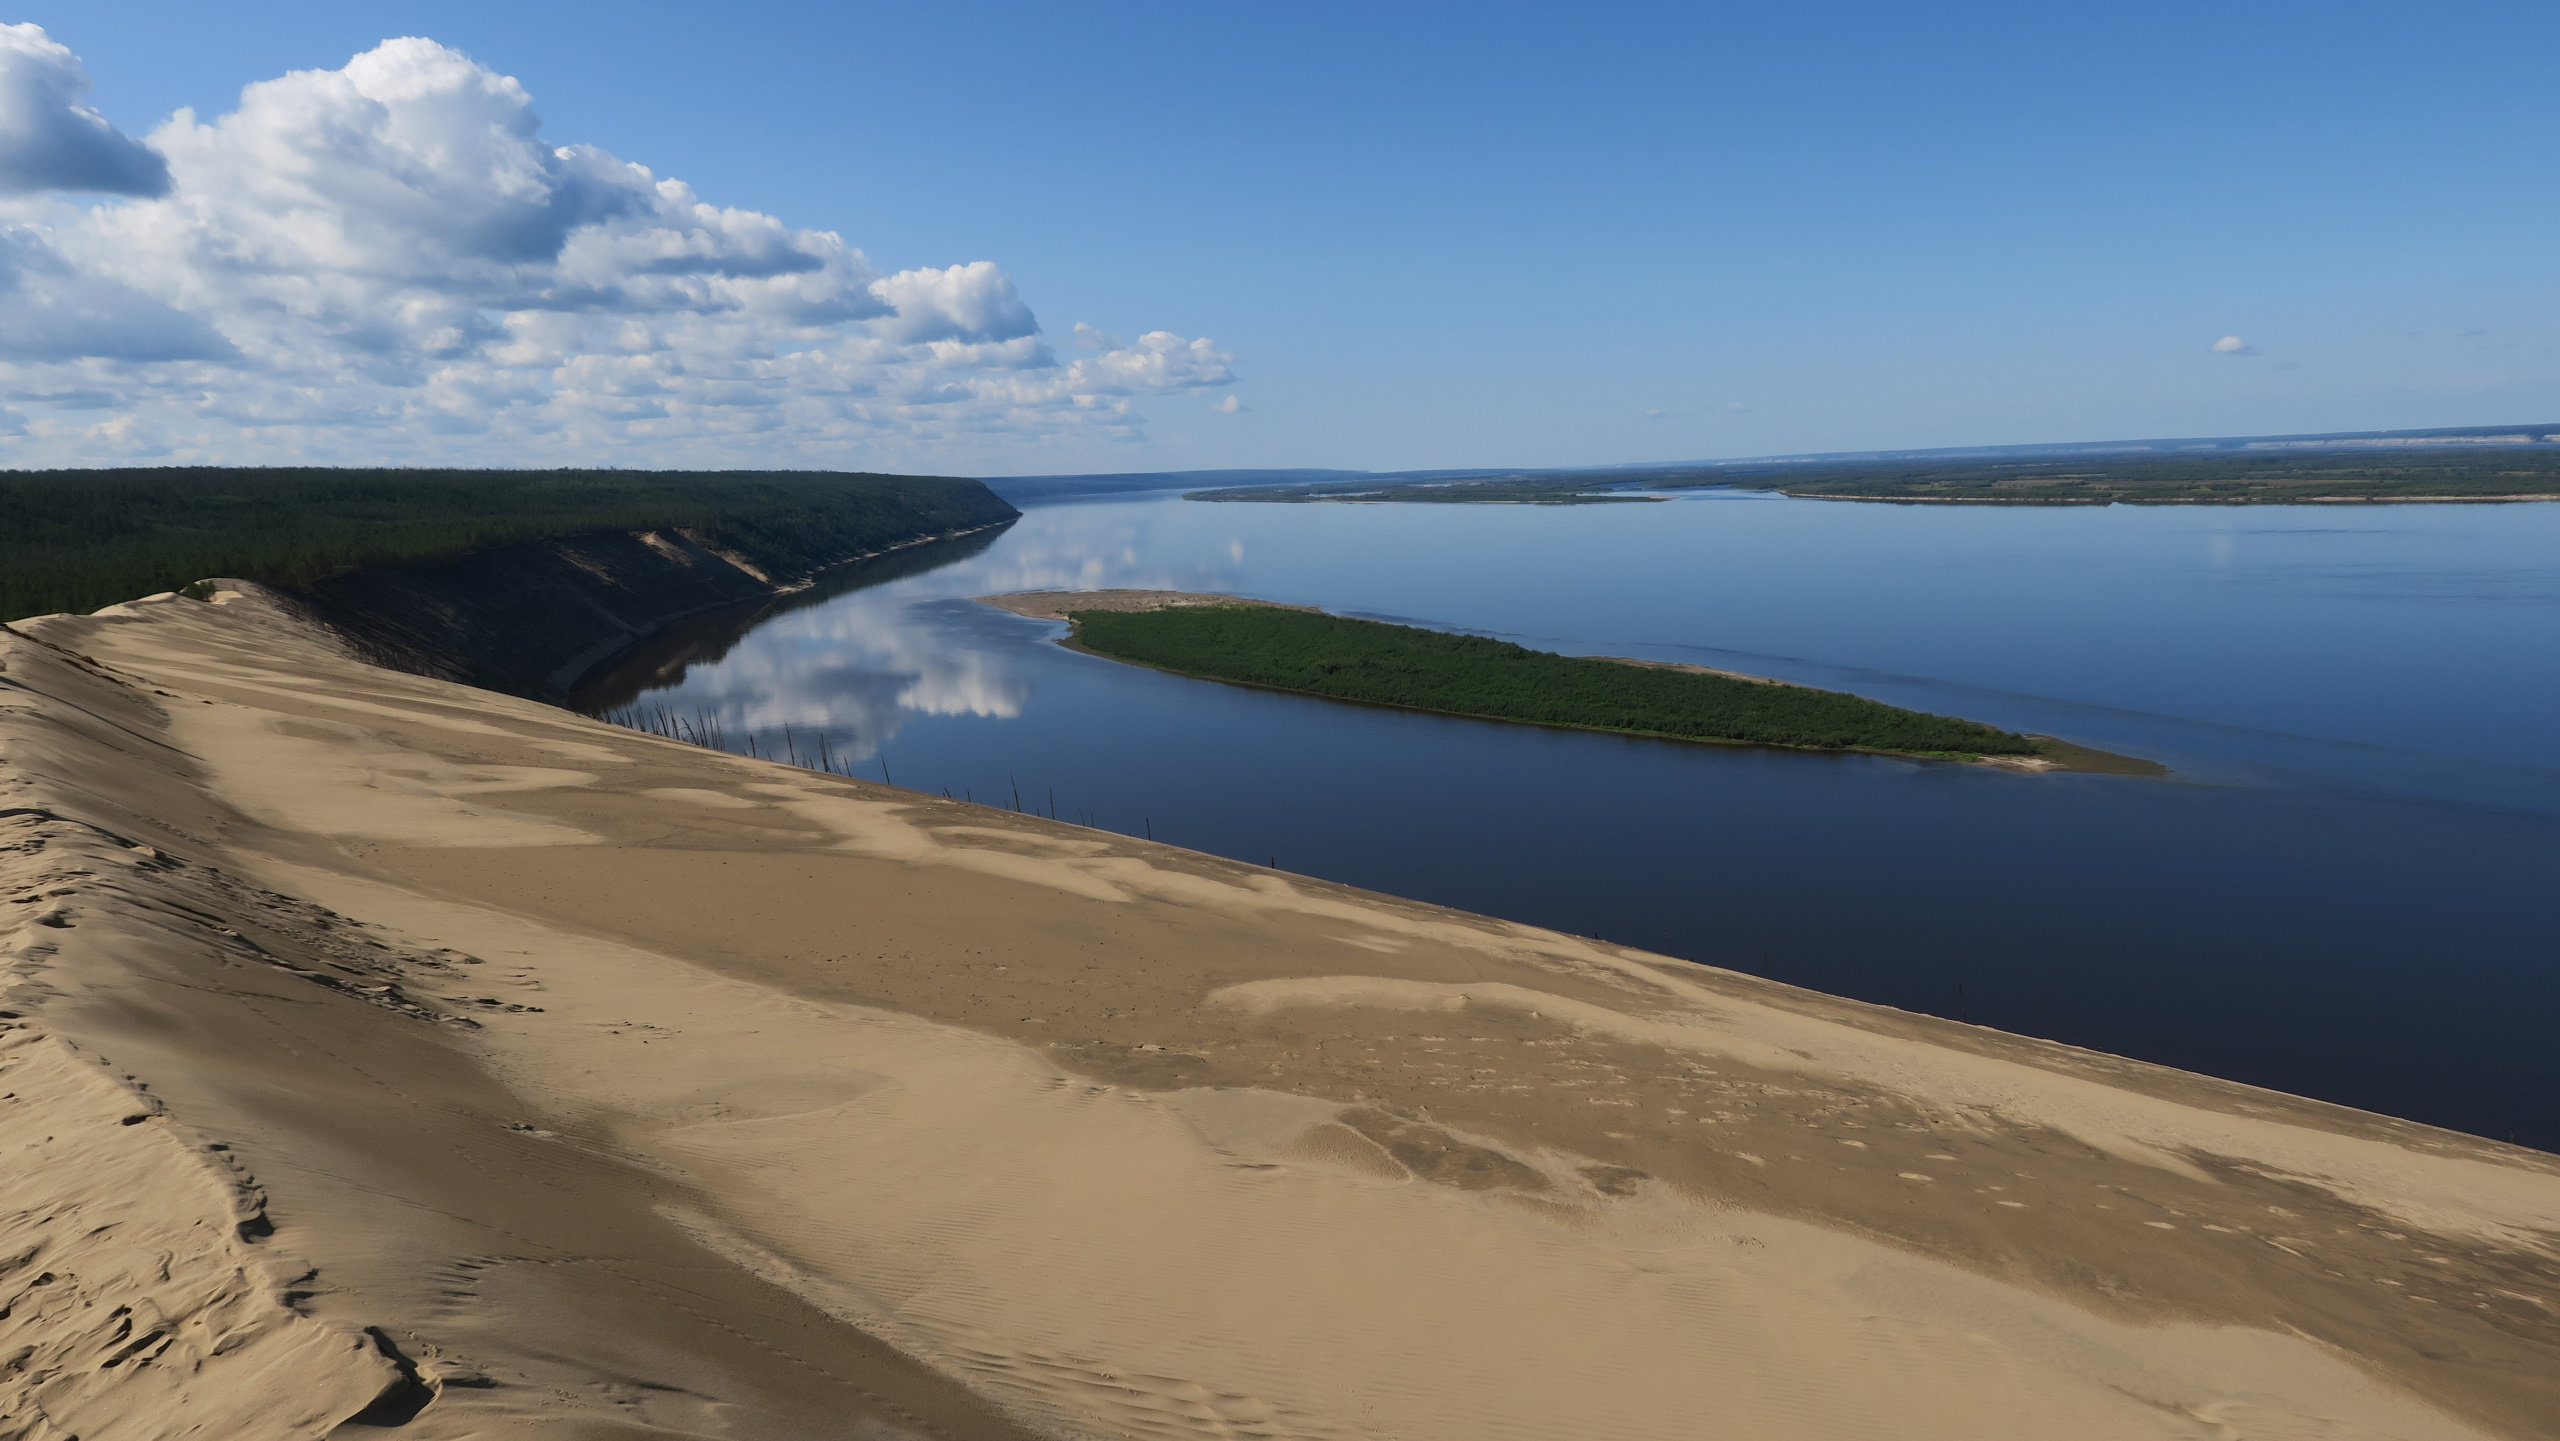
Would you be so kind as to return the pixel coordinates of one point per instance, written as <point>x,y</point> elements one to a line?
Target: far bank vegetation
<point>2205,477</point>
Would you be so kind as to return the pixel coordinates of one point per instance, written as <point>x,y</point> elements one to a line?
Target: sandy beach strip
<point>1058,604</point>
<point>524,1076</point>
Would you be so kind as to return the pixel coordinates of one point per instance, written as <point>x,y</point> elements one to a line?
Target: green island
<point>1312,653</point>
<point>75,540</point>
<point>2378,474</point>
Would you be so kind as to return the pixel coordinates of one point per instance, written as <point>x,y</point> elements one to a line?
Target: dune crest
<point>603,1082</point>
<point>129,1292</point>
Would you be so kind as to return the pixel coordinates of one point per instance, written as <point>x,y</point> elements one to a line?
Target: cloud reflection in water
<point>851,667</point>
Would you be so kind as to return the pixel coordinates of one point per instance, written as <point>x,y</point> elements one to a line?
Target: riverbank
<point>516,581</point>
<point>1405,668</point>
<point>2511,466</point>
<point>2067,499</point>
<point>513,1074</point>
<point>74,540</point>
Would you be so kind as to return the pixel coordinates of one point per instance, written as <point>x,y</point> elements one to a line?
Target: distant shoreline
<point>2253,474</point>
<point>1513,493</point>
<point>2096,500</point>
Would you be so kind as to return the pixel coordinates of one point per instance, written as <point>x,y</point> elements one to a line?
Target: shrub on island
<point>1396,665</point>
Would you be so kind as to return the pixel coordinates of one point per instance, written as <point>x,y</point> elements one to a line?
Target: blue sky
<point>1501,234</point>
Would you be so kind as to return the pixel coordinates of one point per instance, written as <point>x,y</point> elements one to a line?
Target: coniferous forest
<point>75,540</point>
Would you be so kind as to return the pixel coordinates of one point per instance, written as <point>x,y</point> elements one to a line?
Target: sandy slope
<point>627,1089</point>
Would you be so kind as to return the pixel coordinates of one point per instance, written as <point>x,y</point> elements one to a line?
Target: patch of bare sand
<point>1055,604</point>
<point>128,1295</point>
<point>431,1252</point>
<point>1136,1142</point>
<point>1698,670</point>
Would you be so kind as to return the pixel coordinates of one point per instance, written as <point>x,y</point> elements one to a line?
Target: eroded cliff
<point>531,619</point>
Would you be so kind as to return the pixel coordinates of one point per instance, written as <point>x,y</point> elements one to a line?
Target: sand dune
<point>579,1083</point>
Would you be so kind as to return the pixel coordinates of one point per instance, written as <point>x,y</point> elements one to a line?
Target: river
<point>2345,891</point>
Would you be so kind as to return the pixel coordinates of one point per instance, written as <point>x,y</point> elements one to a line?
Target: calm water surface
<point>2346,891</point>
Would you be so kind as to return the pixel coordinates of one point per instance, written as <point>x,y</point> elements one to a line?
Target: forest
<point>2274,477</point>
<point>75,540</point>
<point>1363,660</point>
<point>2222,474</point>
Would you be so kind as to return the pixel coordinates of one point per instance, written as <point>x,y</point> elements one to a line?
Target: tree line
<point>75,540</point>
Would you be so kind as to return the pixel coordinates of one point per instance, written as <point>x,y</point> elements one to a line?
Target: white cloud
<point>1159,360</point>
<point>389,262</point>
<point>48,139</point>
<point>1229,406</point>
<point>972,302</point>
<point>2233,345</point>
<point>51,310</point>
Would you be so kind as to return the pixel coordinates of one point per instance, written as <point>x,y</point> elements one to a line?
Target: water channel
<point>2345,890</point>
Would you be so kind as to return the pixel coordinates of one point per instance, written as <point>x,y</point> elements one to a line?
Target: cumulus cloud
<point>53,310</point>
<point>1229,406</point>
<point>2233,345</point>
<point>973,302</point>
<point>389,261</point>
<point>48,139</point>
